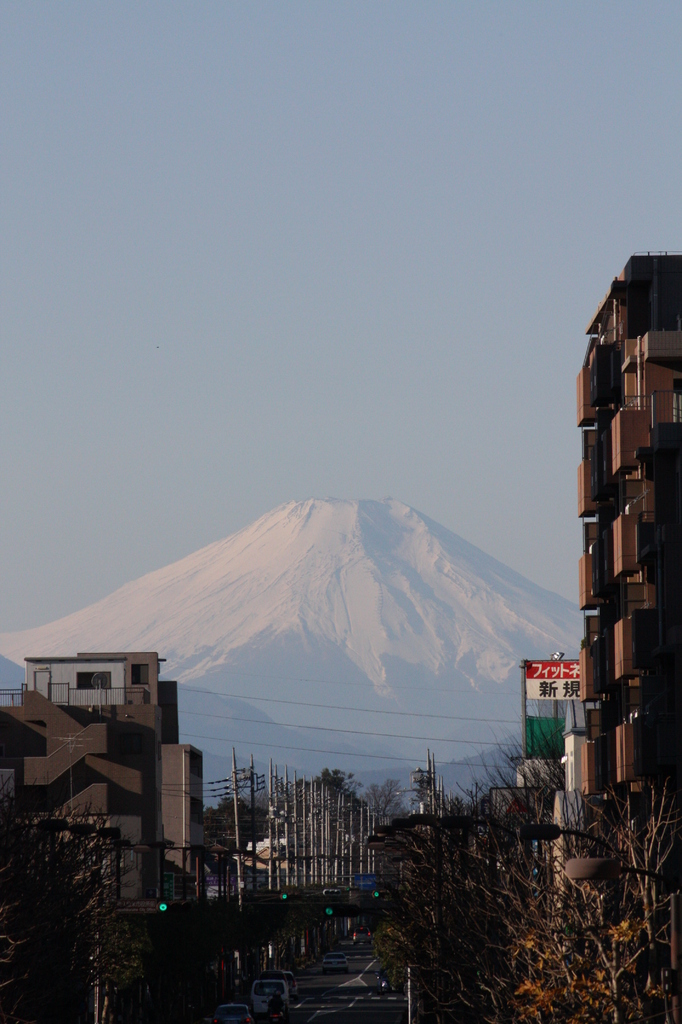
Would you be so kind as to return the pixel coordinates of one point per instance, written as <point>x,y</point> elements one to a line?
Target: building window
<point>139,675</point>
<point>131,743</point>
<point>84,680</point>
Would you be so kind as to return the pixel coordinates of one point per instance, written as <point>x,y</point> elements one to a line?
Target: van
<point>261,992</point>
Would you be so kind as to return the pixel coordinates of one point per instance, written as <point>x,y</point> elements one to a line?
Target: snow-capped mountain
<point>334,602</point>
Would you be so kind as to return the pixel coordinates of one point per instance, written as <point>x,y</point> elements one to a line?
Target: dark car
<point>232,1013</point>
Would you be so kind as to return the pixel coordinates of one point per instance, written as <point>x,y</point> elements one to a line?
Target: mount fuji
<point>358,629</point>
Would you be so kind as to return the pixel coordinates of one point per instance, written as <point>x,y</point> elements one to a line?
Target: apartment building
<point>629,396</point>
<point>98,733</point>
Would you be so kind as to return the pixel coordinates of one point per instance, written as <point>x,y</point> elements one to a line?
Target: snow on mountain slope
<point>374,578</point>
<point>364,604</point>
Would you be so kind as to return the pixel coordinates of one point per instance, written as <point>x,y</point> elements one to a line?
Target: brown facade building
<point>98,733</point>
<point>630,502</point>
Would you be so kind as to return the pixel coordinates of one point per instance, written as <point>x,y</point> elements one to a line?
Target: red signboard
<point>555,670</point>
<point>552,680</point>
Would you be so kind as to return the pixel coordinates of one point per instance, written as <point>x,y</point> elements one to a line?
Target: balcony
<point>602,481</point>
<point>586,412</point>
<point>586,598</point>
<point>663,348</point>
<point>646,539</point>
<point>644,637</point>
<point>592,722</point>
<point>604,760</point>
<point>602,383</point>
<point>622,649</point>
<point>586,675</point>
<point>62,693</point>
<point>625,757</point>
<point>666,407</point>
<point>602,659</point>
<point>603,581</point>
<point>586,506</point>
<point>587,769</point>
<point>629,431</point>
<point>625,546</point>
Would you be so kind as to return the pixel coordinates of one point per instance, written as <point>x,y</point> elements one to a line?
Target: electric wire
<point>343,707</point>
<point>330,728</point>
<point>338,753</point>
<point>347,682</point>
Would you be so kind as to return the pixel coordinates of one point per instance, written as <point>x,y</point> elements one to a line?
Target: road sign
<point>146,906</point>
<point>366,882</point>
<point>168,885</point>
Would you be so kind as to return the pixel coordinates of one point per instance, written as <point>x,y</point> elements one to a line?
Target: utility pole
<point>313,835</point>
<point>338,835</point>
<point>278,873</point>
<point>303,833</point>
<point>361,841</point>
<point>296,871</point>
<point>254,861</point>
<point>270,828</point>
<point>236,830</point>
<point>287,876</point>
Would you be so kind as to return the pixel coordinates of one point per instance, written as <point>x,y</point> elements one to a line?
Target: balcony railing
<point>666,407</point>
<point>62,693</point>
<point>11,698</point>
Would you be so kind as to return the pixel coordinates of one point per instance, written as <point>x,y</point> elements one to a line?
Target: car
<point>283,976</point>
<point>232,1013</point>
<point>262,992</point>
<point>335,963</point>
<point>293,986</point>
<point>361,934</point>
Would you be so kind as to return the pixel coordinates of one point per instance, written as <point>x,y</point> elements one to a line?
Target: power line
<point>336,753</point>
<point>347,682</point>
<point>342,707</point>
<point>329,728</point>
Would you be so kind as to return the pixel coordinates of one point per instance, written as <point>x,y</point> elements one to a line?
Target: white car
<point>335,963</point>
<point>262,992</point>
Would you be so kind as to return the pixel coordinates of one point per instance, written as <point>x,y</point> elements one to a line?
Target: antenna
<point>100,681</point>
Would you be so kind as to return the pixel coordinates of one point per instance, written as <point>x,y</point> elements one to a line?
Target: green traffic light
<point>163,906</point>
<point>329,911</point>
<point>376,894</point>
<point>285,895</point>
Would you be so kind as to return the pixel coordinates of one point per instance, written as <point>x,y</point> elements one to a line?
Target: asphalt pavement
<point>346,998</point>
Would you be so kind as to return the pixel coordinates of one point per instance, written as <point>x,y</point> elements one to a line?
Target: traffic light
<point>329,911</point>
<point>285,895</point>
<point>376,894</point>
<point>173,906</point>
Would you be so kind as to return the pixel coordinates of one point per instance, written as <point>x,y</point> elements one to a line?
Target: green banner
<point>544,737</point>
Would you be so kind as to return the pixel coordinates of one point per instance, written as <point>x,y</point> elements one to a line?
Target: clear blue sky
<point>256,252</point>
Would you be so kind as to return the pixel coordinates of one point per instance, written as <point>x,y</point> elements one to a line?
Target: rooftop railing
<point>11,698</point>
<point>62,693</point>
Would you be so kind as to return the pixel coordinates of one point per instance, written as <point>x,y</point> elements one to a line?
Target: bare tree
<point>495,932</point>
<point>386,798</point>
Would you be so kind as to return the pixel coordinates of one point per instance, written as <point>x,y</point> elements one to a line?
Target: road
<point>346,998</point>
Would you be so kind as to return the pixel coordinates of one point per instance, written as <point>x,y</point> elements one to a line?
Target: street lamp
<point>542,831</point>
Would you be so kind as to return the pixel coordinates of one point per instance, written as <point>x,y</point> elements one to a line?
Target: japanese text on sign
<point>553,680</point>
